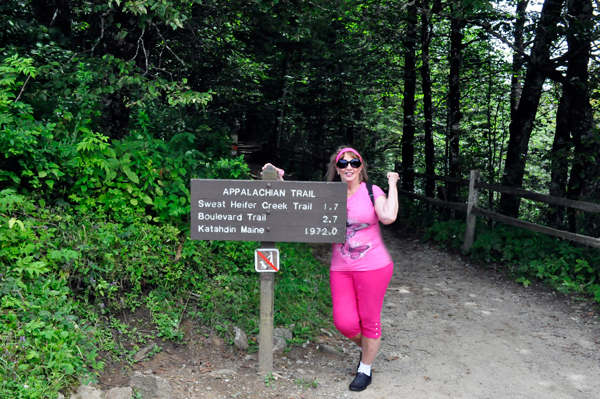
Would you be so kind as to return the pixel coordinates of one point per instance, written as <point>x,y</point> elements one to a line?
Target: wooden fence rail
<point>472,210</point>
<point>434,201</point>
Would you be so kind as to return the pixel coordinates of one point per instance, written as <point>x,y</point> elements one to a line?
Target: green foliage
<point>270,380</point>
<point>164,316</point>
<point>69,160</point>
<point>149,176</point>
<point>20,133</point>
<point>508,244</point>
<point>44,346</point>
<point>51,258</point>
<point>304,383</point>
<point>449,234</point>
<point>304,283</point>
<point>232,295</point>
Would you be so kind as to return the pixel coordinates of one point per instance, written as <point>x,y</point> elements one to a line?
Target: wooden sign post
<point>267,303</point>
<point>269,211</point>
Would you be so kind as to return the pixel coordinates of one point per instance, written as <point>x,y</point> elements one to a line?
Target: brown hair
<point>332,174</point>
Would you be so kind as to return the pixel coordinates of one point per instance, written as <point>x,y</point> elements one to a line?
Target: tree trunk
<point>408,131</point>
<point>281,102</point>
<point>427,100</point>
<point>136,45</point>
<point>522,124</point>
<point>55,13</point>
<point>455,115</point>
<point>561,146</point>
<point>517,65</point>
<point>582,180</point>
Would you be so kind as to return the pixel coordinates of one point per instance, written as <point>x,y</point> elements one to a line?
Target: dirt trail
<point>451,330</point>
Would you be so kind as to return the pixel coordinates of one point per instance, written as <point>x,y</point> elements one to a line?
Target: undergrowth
<point>565,266</point>
<point>65,277</point>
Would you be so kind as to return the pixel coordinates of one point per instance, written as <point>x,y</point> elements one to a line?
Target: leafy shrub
<point>43,344</point>
<point>113,267</point>
<point>506,244</point>
<point>302,293</point>
<point>44,347</point>
<point>25,144</point>
<point>144,175</point>
<point>449,234</point>
<point>64,159</point>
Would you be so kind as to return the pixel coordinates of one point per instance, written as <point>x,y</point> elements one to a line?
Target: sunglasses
<point>343,163</point>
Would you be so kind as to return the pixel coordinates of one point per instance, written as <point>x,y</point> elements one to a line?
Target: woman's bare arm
<point>387,208</point>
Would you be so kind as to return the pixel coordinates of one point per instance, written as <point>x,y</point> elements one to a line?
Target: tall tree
<point>281,105</point>
<point>410,83</point>
<point>521,125</point>
<point>454,113</point>
<point>517,65</point>
<point>583,178</point>
<point>427,98</point>
<point>559,158</point>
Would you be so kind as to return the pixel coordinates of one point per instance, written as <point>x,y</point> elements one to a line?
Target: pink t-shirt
<point>364,248</point>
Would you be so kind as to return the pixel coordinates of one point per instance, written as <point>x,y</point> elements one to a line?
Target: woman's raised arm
<point>387,208</point>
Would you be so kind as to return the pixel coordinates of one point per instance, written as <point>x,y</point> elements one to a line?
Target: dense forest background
<point>109,107</point>
<point>510,88</point>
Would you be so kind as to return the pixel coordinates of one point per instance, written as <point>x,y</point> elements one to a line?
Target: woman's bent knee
<point>348,330</point>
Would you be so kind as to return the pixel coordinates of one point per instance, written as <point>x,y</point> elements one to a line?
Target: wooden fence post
<point>471,218</point>
<point>267,303</point>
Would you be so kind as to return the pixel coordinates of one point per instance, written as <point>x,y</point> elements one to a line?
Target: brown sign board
<point>268,210</point>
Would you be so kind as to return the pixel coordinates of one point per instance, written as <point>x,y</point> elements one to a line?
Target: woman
<point>361,268</point>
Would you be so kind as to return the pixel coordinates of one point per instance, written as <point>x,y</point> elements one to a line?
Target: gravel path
<point>451,330</point>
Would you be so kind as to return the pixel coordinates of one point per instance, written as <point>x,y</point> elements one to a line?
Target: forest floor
<point>451,329</point>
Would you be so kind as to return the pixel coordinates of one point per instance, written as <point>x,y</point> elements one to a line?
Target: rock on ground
<point>88,392</point>
<point>240,339</point>
<point>151,386</point>
<point>119,393</point>
<point>141,354</point>
<point>283,333</point>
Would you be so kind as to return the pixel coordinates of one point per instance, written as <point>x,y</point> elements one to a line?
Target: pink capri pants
<point>358,299</point>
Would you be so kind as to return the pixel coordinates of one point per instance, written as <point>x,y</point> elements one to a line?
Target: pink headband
<point>347,149</point>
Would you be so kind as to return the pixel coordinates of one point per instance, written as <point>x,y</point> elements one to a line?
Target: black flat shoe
<point>361,382</point>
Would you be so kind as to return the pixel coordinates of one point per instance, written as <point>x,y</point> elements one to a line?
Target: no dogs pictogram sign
<point>266,260</point>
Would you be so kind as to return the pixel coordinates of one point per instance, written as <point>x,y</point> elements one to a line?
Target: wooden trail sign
<point>268,210</point>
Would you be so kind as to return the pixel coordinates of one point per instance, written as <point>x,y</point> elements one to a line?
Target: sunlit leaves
<point>173,12</point>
